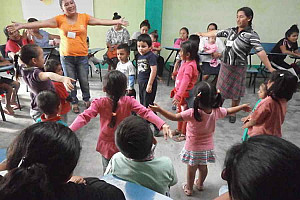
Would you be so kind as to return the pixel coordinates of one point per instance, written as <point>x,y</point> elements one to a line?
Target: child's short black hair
<point>48,102</point>
<point>145,38</point>
<point>133,138</point>
<point>154,34</point>
<point>262,168</point>
<point>125,47</point>
<point>51,65</point>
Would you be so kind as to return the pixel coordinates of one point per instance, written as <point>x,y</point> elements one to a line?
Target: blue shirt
<point>144,62</point>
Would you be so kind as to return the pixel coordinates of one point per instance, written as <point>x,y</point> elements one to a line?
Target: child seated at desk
<point>135,162</point>
<point>10,87</point>
<point>156,48</point>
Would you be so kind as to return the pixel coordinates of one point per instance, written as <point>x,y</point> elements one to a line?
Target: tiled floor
<point>226,134</point>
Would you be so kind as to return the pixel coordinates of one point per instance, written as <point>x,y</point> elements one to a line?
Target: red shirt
<point>13,46</point>
<point>269,116</point>
<point>63,94</point>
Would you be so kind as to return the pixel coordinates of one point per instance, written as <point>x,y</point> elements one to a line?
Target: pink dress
<point>103,106</point>
<point>211,48</point>
<point>178,42</point>
<point>269,116</point>
<point>199,145</point>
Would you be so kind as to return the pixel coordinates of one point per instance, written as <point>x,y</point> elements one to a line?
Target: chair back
<point>2,50</point>
<point>268,46</point>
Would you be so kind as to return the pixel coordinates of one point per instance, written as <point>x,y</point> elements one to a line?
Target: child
<point>112,110</point>
<point>35,77</point>
<point>49,103</point>
<point>264,167</point>
<point>262,93</point>
<point>156,48</point>
<point>147,67</point>
<point>185,81</point>
<point>134,139</point>
<point>65,98</point>
<point>210,47</point>
<point>126,67</point>
<point>11,88</point>
<point>93,61</point>
<point>269,114</point>
<point>198,149</point>
<point>184,35</point>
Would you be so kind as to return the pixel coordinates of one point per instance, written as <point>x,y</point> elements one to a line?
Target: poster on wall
<point>45,9</point>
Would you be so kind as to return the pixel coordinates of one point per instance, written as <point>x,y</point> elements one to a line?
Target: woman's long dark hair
<point>42,157</point>
<point>293,29</point>
<point>206,97</point>
<point>114,84</point>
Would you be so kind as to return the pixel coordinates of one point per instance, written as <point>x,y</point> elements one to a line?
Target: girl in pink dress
<point>185,80</point>
<point>112,110</point>
<point>270,112</point>
<point>201,123</point>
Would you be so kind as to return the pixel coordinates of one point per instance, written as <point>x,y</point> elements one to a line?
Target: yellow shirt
<point>70,46</point>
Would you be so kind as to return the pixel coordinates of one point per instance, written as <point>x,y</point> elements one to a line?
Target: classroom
<point>271,21</point>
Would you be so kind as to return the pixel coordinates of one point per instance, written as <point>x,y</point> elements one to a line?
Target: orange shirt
<point>73,46</point>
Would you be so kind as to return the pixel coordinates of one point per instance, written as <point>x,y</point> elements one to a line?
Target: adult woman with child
<point>73,46</point>
<point>40,162</point>
<point>115,36</point>
<point>240,40</point>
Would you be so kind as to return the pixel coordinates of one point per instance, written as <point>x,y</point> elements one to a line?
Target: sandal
<point>8,111</point>
<point>200,188</point>
<point>175,132</point>
<point>87,104</point>
<point>186,191</point>
<point>179,138</point>
<point>75,109</point>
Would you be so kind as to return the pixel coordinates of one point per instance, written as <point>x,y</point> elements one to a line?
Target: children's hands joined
<point>68,83</point>
<point>246,107</point>
<point>77,180</point>
<point>166,131</point>
<point>155,107</point>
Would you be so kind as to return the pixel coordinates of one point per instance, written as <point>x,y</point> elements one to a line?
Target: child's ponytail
<point>197,115</point>
<point>114,84</point>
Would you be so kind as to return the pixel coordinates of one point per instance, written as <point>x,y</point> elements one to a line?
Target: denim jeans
<point>77,67</point>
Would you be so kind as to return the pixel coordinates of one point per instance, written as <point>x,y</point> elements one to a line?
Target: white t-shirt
<point>128,69</point>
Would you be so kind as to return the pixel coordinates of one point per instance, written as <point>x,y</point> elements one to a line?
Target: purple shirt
<point>36,85</point>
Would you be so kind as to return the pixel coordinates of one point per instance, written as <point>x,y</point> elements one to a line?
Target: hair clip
<point>199,95</point>
<point>114,114</point>
<point>21,162</point>
<point>281,74</point>
<point>218,91</point>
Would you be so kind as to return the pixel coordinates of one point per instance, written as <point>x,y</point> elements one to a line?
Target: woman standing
<point>239,42</point>
<point>115,36</point>
<point>73,46</point>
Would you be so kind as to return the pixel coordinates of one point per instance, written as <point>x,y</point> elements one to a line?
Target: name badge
<point>71,34</point>
<point>229,43</point>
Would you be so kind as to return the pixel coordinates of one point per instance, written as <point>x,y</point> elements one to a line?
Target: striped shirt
<point>242,44</point>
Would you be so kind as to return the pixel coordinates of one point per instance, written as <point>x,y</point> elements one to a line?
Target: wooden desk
<point>134,191</point>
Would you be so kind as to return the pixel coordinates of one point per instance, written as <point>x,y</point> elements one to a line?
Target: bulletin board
<point>45,9</point>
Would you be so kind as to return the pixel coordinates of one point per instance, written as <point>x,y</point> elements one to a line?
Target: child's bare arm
<point>244,107</point>
<point>151,78</point>
<point>67,81</point>
<point>249,124</point>
<point>165,113</point>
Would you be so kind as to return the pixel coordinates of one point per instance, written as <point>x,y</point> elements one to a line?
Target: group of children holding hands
<point>198,108</point>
